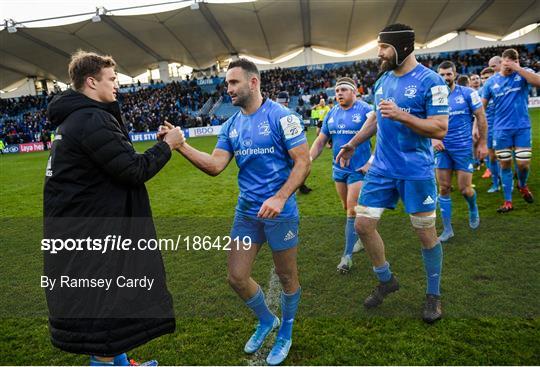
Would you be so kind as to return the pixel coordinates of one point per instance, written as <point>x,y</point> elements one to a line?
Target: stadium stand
<point>145,107</point>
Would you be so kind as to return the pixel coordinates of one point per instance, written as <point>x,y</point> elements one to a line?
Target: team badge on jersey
<point>264,128</point>
<point>460,99</point>
<point>291,126</point>
<point>410,91</point>
<point>356,118</point>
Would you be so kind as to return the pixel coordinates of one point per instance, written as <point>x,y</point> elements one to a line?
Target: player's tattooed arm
<point>318,146</point>
<point>302,165</point>
<point>366,132</point>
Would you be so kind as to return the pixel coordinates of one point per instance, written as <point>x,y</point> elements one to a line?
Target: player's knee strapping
<point>372,213</point>
<point>504,154</point>
<point>423,222</point>
<point>524,154</point>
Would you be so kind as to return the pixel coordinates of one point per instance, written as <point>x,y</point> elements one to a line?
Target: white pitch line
<point>273,299</point>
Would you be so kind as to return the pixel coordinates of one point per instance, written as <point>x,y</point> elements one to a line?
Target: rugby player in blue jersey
<point>493,164</point>
<point>509,90</point>
<point>454,153</point>
<point>341,124</point>
<point>411,103</point>
<point>268,143</point>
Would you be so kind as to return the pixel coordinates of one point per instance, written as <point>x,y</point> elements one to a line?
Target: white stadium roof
<point>198,33</point>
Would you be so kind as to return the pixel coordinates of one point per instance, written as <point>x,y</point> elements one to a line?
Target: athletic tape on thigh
<point>423,222</point>
<point>364,211</point>
<point>523,154</point>
<point>504,154</point>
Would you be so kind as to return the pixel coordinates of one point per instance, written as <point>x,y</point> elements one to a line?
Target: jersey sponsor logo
<point>410,91</point>
<point>254,151</point>
<point>439,95</point>
<point>331,120</point>
<point>247,142</point>
<point>291,126</point>
<point>496,86</point>
<point>356,118</point>
<point>343,132</point>
<point>233,134</point>
<point>428,200</point>
<point>517,78</point>
<point>379,91</point>
<point>289,236</point>
<point>393,100</point>
<point>508,90</point>
<point>264,128</point>
<point>460,100</point>
<point>341,126</point>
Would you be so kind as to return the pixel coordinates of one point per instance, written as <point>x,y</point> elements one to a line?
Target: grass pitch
<point>490,283</point>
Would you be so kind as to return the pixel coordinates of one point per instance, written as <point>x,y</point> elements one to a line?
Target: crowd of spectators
<point>473,62</point>
<point>23,119</point>
<point>145,109</point>
<point>15,106</point>
<point>305,81</point>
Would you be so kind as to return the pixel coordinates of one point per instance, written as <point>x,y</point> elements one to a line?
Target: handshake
<point>171,135</point>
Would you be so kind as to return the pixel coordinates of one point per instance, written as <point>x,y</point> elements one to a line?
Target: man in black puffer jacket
<point>103,299</point>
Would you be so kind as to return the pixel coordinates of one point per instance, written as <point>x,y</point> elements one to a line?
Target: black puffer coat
<point>94,188</point>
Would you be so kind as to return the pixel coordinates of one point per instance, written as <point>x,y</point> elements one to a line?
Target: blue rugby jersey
<point>400,152</point>
<point>462,102</point>
<point>260,144</point>
<point>510,95</point>
<point>341,125</point>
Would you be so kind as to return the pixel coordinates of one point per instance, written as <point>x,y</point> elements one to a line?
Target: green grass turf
<point>490,283</point>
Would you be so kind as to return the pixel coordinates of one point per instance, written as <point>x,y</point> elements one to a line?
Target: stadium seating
<point>145,107</point>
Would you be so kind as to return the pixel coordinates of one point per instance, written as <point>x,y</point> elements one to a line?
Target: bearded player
<point>411,103</point>
<point>454,153</point>
<point>268,143</point>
